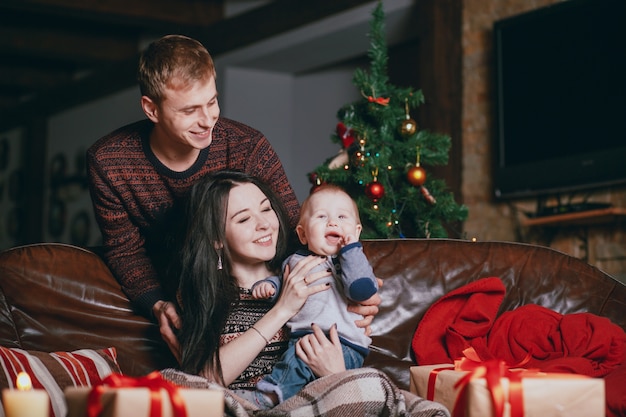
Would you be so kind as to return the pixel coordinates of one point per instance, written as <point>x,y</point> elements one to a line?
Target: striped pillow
<point>57,370</point>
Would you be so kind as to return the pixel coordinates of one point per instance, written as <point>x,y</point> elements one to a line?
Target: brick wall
<point>602,245</point>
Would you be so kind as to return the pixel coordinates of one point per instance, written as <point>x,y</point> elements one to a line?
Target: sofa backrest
<point>57,297</point>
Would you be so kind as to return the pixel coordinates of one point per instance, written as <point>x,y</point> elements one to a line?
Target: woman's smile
<point>264,240</point>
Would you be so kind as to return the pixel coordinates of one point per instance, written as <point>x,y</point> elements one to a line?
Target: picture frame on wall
<point>56,218</point>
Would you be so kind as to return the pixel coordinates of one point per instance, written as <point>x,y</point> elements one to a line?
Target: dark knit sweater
<point>137,199</point>
<point>241,317</point>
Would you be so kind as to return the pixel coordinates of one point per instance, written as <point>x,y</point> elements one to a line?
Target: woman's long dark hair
<point>206,292</point>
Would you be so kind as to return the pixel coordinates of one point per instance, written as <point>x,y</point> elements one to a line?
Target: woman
<point>238,234</point>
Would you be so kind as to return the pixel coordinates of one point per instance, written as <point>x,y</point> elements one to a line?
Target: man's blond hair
<point>172,58</point>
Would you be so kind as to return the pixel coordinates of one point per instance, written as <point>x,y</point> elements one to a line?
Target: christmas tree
<point>383,154</point>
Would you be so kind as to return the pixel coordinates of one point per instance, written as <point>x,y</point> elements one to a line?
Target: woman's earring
<point>219,262</point>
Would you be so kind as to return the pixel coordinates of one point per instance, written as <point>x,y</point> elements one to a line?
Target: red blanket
<point>581,343</point>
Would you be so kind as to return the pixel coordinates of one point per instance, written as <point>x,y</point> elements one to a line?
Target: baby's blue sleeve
<point>357,273</point>
<point>275,281</point>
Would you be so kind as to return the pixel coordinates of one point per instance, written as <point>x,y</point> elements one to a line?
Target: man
<point>139,173</point>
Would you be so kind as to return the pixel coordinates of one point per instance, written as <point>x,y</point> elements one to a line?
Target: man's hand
<point>368,309</point>
<point>168,319</point>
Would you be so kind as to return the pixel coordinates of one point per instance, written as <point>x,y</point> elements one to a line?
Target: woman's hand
<point>324,356</point>
<point>168,319</point>
<point>296,282</point>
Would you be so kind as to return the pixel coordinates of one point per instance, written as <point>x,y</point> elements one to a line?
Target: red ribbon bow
<point>378,100</point>
<point>492,370</point>
<point>153,381</point>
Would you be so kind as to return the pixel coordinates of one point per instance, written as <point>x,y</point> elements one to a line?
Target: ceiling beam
<point>62,45</point>
<point>147,13</point>
<point>24,76</point>
<point>275,18</point>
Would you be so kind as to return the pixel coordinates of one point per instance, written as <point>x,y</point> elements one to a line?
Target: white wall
<point>296,113</point>
<point>318,96</point>
<point>263,100</point>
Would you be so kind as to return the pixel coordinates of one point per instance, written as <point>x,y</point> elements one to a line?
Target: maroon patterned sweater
<point>137,199</point>
<point>244,314</point>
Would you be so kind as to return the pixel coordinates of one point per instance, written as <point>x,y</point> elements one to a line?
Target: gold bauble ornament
<point>408,127</point>
<point>416,175</point>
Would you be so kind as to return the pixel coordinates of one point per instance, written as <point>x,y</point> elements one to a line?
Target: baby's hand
<point>347,239</point>
<point>263,290</point>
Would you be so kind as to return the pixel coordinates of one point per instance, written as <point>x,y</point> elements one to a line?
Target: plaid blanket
<point>358,392</point>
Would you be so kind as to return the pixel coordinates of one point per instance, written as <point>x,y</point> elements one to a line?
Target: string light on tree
<point>360,156</point>
<point>393,221</point>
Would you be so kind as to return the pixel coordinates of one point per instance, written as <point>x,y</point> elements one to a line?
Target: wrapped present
<point>492,389</point>
<point>149,396</point>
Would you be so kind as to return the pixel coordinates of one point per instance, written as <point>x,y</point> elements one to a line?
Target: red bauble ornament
<point>374,191</point>
<point>416,175</point>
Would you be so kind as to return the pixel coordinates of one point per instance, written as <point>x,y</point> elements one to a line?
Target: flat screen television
<point>560,99</point>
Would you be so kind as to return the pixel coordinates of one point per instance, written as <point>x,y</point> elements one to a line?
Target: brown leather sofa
<point>57,297</point>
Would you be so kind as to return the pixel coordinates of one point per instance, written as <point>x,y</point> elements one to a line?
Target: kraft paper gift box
<point>135,402</point>
<point>129,397</point>
<point>543,394</point>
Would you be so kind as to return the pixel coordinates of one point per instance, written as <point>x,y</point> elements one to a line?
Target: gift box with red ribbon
<point>474,388</point>
<point>148,396</point>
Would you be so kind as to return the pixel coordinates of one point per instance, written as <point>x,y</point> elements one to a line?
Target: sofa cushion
<point>57,370</point>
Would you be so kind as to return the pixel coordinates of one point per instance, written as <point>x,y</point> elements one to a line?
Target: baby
<point>329,226</point>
